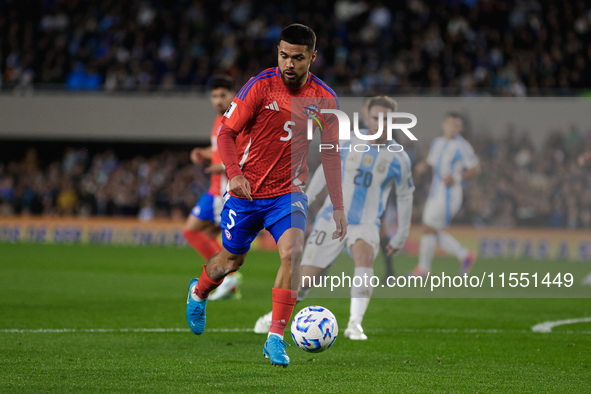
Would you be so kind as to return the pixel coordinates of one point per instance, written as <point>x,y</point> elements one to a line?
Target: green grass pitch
<point>415,345</point>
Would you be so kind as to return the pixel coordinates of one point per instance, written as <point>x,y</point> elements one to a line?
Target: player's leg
<point>201,230</point>
<point>388,260</point>
<point>213,274</point>
<point>433,220</point>
<point>427,248</point>
<point>290,246</point>
<point>286,221</point>
<point>320,252</point>
<point>363,251</point>
<point>451,245</point>
<point>284,292</point>
<point>309,276</point>
<point>241,223</point>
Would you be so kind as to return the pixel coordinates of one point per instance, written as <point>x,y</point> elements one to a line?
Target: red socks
<point>283,302</point>
<point>205,285</point>
<point>204,245</point>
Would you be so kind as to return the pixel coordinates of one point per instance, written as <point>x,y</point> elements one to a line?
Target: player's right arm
<point>200,155</point>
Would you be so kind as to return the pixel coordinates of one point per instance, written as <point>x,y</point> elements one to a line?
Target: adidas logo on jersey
<point>273,106</point>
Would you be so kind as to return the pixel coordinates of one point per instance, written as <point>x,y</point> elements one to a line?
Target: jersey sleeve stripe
<point>325,87</point>
<point>251,82</point>
<point>246,84</point>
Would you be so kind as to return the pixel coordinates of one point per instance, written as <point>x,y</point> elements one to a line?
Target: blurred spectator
<point>67,198</point>
<point>455,47</point>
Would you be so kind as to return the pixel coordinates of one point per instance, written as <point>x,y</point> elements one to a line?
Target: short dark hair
<point>298,34</point>
<point>455,115</point>
<point>382,101</point>
<point>221,81</point>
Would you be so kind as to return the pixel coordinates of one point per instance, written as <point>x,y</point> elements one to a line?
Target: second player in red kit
<point>267,178</point>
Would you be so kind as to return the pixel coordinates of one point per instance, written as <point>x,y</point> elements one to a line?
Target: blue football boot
<point>274,350</point>
<point>195,311</point>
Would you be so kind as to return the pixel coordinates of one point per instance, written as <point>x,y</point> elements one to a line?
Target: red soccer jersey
<point>218,181</point>
<point>274,160</point>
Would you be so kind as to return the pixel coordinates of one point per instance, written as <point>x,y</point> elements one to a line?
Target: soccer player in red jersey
<point>266,182</point>
<point>202,227</point>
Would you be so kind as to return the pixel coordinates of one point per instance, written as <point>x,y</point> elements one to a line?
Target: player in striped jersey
<point>368,178</point>
<point>453,160</point>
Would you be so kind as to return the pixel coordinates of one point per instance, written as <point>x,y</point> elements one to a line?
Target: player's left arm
<point>471,172</point>
<point>404,199</point>
<point>331,162</point>
<point>470,163</point>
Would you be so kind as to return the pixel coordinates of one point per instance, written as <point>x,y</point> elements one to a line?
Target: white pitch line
<point>376,330</point>
<point>549,325</point>
<point>110,330</point>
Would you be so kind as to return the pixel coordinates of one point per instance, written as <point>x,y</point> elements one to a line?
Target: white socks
<point>452,246</point>
<point>447,243</point>
<point>360,295</point>
<point>427,251</point>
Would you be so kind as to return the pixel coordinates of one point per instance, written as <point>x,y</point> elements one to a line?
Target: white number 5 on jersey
<point>287,127</point>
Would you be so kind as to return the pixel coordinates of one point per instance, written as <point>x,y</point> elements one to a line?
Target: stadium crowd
<point>163,185</point>
<point>520,185</point>
<point>528,47</point>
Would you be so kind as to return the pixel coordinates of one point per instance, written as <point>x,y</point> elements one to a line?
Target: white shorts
<point>440,210</point>
<point>321,250</point>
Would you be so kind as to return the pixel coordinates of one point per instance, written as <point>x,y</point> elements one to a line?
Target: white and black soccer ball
<point>314,329</point>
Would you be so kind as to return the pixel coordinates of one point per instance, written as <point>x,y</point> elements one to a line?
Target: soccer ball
<point>314,329</point>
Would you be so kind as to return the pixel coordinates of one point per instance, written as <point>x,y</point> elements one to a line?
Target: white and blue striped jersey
<point>367,179</point>
<point>449,157</point>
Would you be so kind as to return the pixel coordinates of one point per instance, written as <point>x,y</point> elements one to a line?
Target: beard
<point>295,82</point>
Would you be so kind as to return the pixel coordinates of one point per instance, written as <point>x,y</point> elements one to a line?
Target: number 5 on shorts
<point>231,215</point>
